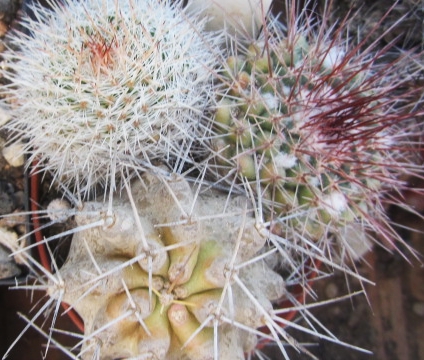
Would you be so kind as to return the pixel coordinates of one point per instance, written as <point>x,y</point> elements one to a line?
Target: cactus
<point>316,133</point>
<point>177,270</point>
<point>153,279</point>
<point>102,87</point>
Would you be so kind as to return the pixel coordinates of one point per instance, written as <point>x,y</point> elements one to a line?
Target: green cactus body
<point>298,110</point>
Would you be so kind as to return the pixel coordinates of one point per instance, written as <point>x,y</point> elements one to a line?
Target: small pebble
<point>58,210</point>
<point>4,116</point>
<point>14,154</point>
<point>331,291</point>
<point>8,268</point>
<point>418,308</point>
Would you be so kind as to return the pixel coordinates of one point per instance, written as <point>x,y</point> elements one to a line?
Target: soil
<point>388,321</point>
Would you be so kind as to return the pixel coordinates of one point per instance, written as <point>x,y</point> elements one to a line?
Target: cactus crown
<point>168,281</point>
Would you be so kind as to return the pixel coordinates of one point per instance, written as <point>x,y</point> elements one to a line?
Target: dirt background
<point>389,321</point>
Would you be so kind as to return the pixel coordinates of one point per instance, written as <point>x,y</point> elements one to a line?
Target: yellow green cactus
<point>170,295</point>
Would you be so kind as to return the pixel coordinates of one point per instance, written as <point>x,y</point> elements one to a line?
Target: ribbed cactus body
<point>308,129</point>
<point>146,279</point>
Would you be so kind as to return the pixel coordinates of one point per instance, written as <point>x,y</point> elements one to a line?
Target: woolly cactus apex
<point>169,270</point>
<point>102,86</point>
<point>317,132</point>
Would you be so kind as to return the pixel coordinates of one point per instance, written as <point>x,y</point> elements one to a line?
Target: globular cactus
<point>100,87</point>
<point>317,132</point>
<point>160,277</point>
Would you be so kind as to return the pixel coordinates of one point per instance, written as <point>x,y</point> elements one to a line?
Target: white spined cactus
<point>102,86</point>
